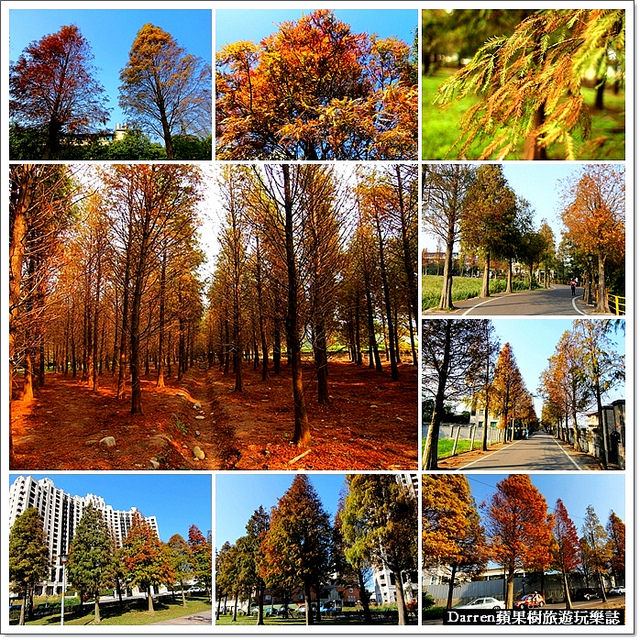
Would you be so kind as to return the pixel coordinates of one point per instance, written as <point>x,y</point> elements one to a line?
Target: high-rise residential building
<point>61,513</point>
<point>384,584</point>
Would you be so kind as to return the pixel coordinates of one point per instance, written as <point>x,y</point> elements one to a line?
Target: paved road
<point>556,301</point>
<point>540,452</point>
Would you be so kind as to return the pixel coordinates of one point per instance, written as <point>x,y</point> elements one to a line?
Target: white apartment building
<point>61,513</point>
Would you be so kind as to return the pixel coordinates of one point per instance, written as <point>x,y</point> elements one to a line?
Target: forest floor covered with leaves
<point>201,423</point>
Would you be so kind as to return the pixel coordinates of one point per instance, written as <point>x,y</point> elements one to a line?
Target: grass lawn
<point>135,613</point>
<point>326,619</point>
<point>440,128</point>
<point>463,288</point>
<point>246,620</point>
<point>445,446</point>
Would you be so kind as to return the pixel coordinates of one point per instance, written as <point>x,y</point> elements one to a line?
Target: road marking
<point>506,295</point>
<point>575,464</point>
<point>573,302</point>
<point>487,456</point>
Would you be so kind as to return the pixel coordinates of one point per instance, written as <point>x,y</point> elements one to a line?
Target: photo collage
<point>317,319</point>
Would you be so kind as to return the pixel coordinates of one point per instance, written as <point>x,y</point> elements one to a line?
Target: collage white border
<point>630,473</point>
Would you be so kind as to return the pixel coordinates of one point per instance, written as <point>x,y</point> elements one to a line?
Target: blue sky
<point>534,340</point>
<point>110,33</point>
<point>177,500</point>
<point>605,491</point>
<point>239,495</point>
<point>254,25</point>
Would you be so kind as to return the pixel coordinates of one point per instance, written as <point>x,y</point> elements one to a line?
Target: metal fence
<point>468,591</point>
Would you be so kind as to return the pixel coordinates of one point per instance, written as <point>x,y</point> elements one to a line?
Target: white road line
<point>575,464</point>
<point>487,456</point>
<point>573,302</point>
<point>506,295</point>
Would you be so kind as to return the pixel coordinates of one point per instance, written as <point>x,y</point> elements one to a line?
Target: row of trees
<point>90,258</point>
<point>104,273</point>
<point>95,564</point>
<point>462,361</point>
<point>528,76</point>
<point>355,97</point>
<point>56,100</point>
<point>476,209</point>
<point>297,547</point>
<point>517,532</point>
<point>324,258</point>
<point>584,366</point>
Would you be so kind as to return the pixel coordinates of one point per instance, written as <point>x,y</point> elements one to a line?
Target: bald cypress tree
<point>90,566</point>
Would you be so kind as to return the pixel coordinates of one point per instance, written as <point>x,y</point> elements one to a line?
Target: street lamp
<point>63,557</point>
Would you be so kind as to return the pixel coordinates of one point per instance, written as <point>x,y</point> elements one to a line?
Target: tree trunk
<point>567,593</point>
<point>387,302</point>
<point>599,101</point>
<point>364,595</point>
<point>446,297</point>
<point>308,613</point>
<point>302,433</point>
<point>402,605</point>
<point>509,288</point>
<point>150,600</point>
<point>430,455</point>
<point>260,620</point>
<point>484,293</point>
<point>603,302</point>
<point>96,609</point>
<point>452,582</point>
<point>510,578</point>
<point>163,280</point>
<point>533,149</point>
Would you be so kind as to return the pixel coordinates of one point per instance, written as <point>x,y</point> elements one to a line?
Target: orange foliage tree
<point>451,531</point>
<point>519,528</point>
<point>146,559</point>
<point>165,90</point>
<point>52,88</point>
<point>616,532</point>
<point>508,388</point>
<point>567,552</point>
<point>315,90</point>
<point>594,219</point>
<point>297,544</point>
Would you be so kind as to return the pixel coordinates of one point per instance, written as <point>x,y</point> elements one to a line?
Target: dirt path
<point>371,424</point>
<point>62,428</point>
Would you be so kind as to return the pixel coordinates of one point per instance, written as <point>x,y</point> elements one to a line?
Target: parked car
<point>529,601</point>
<point>617,591</point>
<point>483,603</point>
<point>586,594</point>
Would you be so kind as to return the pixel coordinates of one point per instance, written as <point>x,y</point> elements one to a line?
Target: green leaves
<point>28,551</point>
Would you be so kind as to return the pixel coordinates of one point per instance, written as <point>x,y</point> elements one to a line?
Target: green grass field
<point>445,446</point>
<point>463,288</point>
<point>135,613</point>
<point>440,128</point>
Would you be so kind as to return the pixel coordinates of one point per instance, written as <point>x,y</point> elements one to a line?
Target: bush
<point>433,613</point>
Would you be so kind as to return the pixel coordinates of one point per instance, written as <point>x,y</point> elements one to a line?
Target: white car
<point>483,603</point>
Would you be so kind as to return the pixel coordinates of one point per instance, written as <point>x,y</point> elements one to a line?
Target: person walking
<point>573,287</point>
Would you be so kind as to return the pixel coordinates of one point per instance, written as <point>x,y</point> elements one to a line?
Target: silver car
<point>483,603</point>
